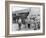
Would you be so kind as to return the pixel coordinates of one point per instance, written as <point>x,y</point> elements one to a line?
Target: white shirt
<point>19,20</point>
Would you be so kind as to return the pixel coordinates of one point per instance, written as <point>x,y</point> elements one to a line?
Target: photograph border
<point>7,19</point>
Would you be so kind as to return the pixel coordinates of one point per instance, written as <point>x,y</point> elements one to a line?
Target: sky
<point>33,10</point>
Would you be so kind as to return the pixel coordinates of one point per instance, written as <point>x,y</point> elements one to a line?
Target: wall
<point>2,19</point>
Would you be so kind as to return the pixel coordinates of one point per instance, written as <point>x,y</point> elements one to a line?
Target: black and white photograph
<point>25,18</point>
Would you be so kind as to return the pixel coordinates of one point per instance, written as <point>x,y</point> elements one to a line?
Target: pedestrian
<point>19,23</point>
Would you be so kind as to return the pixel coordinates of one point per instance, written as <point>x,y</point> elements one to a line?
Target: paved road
<point>16,28</point>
